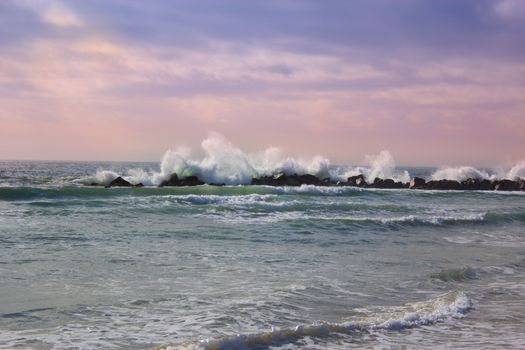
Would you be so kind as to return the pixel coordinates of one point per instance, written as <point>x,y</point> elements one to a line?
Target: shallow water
<point>253,267</point>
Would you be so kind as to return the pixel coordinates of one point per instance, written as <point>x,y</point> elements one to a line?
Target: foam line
<point>447,306</point>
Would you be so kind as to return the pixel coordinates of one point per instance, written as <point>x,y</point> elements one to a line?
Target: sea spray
<point>383,166</point>
<point>224,163</point>
<point>517,171</point>
<point>461,173</point>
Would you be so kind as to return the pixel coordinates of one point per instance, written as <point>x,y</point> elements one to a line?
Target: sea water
<point>253,267</point>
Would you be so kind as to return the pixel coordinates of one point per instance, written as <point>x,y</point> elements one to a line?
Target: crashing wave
<point>224,163</point>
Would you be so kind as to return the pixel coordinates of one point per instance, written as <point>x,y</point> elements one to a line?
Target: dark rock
<point>119,182</point>
<point>505,185</point>
<point>521,184</point>
<point>378,183</point>
<point>309,179</point>
<point>485,185</point>
<point>281,179</point>
<point>361,182</point>
<point>386,183</point>
<point>352,180</point>
<point>191,181</point>
<point>328,182</point>
<point>443,185</point>
<point>174,180</point>
<point>417,183</point>
<point>470,184</point>
<point>258,181</point>
<point>389,183</point>
<point>140,184</point>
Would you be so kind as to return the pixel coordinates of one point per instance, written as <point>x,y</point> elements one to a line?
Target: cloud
<point>312,74</point>
<point>57,15</point>
<point>513,9</point>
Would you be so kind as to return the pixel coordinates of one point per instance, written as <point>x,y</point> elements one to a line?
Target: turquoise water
<point>254,267</point>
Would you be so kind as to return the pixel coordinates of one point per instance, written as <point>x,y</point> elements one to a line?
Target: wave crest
<point>446,306</point>
<point>462,173</point>
<point>224,163</point>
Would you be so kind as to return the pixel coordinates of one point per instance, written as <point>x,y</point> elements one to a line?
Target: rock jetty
<point>282,179</point>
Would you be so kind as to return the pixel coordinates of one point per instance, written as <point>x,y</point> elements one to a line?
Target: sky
<point>434,82</point>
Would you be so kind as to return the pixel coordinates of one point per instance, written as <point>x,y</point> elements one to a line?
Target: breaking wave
<point>224,163</point>
<point>462,173</point>
<point>447,306</point>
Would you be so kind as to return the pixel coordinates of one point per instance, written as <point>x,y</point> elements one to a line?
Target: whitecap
<point>447,306</point>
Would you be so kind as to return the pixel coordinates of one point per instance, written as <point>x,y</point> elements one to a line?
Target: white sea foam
<point>384,167</point>
<point>517,171</point>
<point>447,306</point>
<point>101,177</point>
<point>381,165</point>
<point>462,173</point>
<point>224,163</point>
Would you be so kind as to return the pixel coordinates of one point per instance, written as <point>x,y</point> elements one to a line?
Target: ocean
<point>254,267</point>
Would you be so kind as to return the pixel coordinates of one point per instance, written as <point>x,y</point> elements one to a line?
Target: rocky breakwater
<point>282,179</point>
<point>174,180</point>
<point>470,184</point>
<point>360,181</point>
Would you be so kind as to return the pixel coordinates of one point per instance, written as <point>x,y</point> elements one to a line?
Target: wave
<point>279,203</point>
<point>458,275</point>
<point>447,306</point>
<point>462,173</point>
<point>223,163</point>
<point>26,193</point>
<point>417,219</point>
